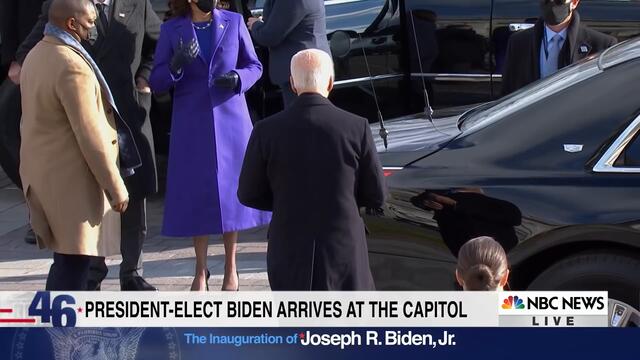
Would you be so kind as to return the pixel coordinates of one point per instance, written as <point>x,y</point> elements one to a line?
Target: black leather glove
<point>183,56</point>
<point>229,80</point>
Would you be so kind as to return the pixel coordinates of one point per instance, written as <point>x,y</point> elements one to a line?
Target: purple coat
<point>210,129</point>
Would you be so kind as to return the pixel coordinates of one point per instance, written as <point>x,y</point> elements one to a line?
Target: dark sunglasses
<point>557,2</point>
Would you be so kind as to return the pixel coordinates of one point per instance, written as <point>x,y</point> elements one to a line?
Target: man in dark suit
<point>286,27</point>
<point>16,21</point>
<point>127,33</point>
<point>557,40</point>
<point>242,7</point>
<point>314,165</point>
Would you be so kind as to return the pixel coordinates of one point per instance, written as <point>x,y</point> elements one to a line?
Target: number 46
<point>55,311</point>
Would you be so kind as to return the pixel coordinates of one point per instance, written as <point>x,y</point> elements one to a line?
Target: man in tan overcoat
<point>69,150</point>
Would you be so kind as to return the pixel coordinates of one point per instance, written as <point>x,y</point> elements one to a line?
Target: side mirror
<point>340,44</point>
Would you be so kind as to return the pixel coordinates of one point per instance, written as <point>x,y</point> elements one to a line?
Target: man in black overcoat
<point>127,34</point>
<point>558,39</point>
<point>16,21</point>
<point>314,165</point>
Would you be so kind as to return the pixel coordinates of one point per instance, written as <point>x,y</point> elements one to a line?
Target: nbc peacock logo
<point>513,302</point>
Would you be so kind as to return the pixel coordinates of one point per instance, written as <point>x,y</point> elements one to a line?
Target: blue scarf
<point>129,156</point>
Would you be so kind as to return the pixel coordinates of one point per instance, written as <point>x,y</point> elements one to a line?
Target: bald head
<point>74,16</point>
<point>312,72</point>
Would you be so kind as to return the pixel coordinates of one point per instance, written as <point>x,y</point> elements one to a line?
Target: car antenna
<point>384,133</point>
<point>428,110</point>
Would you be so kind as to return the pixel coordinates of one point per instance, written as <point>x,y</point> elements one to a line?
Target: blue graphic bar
<point>317,343</point>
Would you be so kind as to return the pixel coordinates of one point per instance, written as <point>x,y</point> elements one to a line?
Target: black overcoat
<point>16,21</point>
<point>17,18</point>
<point>314,165</point>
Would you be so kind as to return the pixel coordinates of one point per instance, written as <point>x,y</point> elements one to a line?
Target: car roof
<point>620,53</point>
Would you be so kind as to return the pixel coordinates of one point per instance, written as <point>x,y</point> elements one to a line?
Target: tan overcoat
<point>69,153</point>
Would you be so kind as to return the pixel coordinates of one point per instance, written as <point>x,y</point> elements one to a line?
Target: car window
<point>632,153</point>
<point>623,155</point>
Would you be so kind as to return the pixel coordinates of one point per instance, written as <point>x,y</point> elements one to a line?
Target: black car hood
<point>413,137</point>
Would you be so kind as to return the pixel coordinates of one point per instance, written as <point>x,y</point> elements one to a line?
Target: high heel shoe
<point>208,276</point>
<point>238,288</point>
<point>206,281</point>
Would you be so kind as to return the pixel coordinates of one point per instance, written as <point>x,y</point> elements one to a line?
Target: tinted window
<point>631,154</point>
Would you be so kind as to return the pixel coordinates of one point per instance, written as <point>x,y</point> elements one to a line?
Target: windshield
<point>476,120</point>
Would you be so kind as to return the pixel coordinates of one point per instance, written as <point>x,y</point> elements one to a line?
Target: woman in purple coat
<point>207,57</point>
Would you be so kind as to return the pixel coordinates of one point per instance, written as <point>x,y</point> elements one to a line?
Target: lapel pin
<point>584,49</point>
<point>121,15</point>
<point>221,26</point>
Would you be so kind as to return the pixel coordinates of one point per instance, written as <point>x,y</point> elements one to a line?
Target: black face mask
<point>554,13</point>
<point>92,34</point>
<point>206,6</point>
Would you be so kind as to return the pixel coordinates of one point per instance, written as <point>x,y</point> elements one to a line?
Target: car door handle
<point>520,26</point>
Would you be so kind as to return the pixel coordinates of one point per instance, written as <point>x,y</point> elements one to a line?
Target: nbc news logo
<point>513,302</point>
<point>553,308</point>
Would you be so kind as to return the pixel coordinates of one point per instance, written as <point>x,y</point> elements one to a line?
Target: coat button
<point>114,142</point>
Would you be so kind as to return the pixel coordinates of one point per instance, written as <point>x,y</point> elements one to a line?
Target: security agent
<point>16,21</point>
<point>557,40</point>
<point>286,27</point>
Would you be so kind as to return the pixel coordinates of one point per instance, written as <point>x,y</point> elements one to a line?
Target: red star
<point>79,309</point>
<point>301,335</point>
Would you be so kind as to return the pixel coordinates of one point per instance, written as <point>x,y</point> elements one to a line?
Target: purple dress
<point>210,128</point>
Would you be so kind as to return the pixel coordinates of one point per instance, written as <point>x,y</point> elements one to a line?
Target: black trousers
<point>133,233</point>
<point>68,272</point>
<point>10,113</point>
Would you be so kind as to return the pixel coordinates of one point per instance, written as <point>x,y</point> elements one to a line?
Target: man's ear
<point>330,87</point>
<point>292,85</point>
<point>71,24</point>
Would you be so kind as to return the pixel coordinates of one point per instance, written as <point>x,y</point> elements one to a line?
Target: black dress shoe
<point>136,283</point>
<point>30,237</point>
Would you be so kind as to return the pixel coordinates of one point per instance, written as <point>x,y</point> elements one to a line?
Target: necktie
<point>102,13</point>
<point>552,56</point>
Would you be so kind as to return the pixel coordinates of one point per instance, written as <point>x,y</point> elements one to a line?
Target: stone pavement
<point>168,262</point>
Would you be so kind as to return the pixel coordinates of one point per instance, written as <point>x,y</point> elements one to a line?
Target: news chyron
<point>304,309</point>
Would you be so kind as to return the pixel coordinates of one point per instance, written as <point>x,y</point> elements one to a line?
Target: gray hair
<point>311,70</point>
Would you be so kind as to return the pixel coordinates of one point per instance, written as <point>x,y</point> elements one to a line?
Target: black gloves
<point>184,55</point>
<point>229,80</point>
